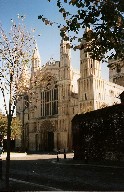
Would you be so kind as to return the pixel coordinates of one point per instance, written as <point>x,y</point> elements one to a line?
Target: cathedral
<point>52,94</point>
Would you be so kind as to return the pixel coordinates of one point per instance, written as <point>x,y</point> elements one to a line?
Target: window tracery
<point>49,96</point>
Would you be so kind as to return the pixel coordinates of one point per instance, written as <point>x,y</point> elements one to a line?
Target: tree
<point>99,132</point>
<point>15,52</point>
<point>105,20</point>
<point>16,127</point>
<point>3,126</point>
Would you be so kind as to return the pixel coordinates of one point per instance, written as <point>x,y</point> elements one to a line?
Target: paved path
<point>3,157</point>
<point>78,168</point>
<point>33,156</point>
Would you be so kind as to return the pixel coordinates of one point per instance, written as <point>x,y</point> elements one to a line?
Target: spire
<point>36,54</point>
<point>88,66</point>
<point>87,29</point>
<point>65,48</point>
<point>23,83</point>
<point>36,60</point>
<point>65,59</point>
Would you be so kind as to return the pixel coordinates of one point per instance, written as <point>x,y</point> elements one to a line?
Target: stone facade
<point>55,93</point>
<point>116,72</point>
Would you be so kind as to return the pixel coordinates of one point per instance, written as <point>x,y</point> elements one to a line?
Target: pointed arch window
<point>85,96</point>
<point>49,100</point>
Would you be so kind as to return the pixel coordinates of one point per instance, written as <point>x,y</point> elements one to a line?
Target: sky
<point>47,37</point>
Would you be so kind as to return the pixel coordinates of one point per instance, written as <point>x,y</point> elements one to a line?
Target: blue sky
<point>49,39</point>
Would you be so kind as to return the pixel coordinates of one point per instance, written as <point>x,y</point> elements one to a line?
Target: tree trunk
<point>8,151</point>
<point>9,118</point>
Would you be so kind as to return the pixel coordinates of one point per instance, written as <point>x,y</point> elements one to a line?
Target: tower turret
<point>23,83</point>
<point>90,74</point>
<point>65,59</point>
<point>88,66</point>
<point>36,61</point>
<point>64,77</point>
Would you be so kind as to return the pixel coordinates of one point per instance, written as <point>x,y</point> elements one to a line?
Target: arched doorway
<point>47,135</point>
<point>50,141</point>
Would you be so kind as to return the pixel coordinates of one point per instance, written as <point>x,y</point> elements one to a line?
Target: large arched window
<point>49,96</point>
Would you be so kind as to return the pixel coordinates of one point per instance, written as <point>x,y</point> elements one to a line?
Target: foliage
<point>16,127</point>
<point>16,50</point>
<point>99,132</point>
<point>3,125</point>
<point>15,53</point>
<point>104,17</point>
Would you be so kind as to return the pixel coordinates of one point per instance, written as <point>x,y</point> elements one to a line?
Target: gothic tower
<point>23,83</point>
<point>65,57</point>
<point>35,67</point>
<point>64,93</point>
<point>36,61</point>
<point>90,80</point>
<point>21,105</point>
<point>35,71</point>
<point>64,72</point>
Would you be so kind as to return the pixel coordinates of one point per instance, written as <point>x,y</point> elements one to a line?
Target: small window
<point>73,110</point>
<point>85,96</point>
<point>118,69</point>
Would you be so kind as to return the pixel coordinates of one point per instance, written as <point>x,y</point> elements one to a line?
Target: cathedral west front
<point>54,93</point>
